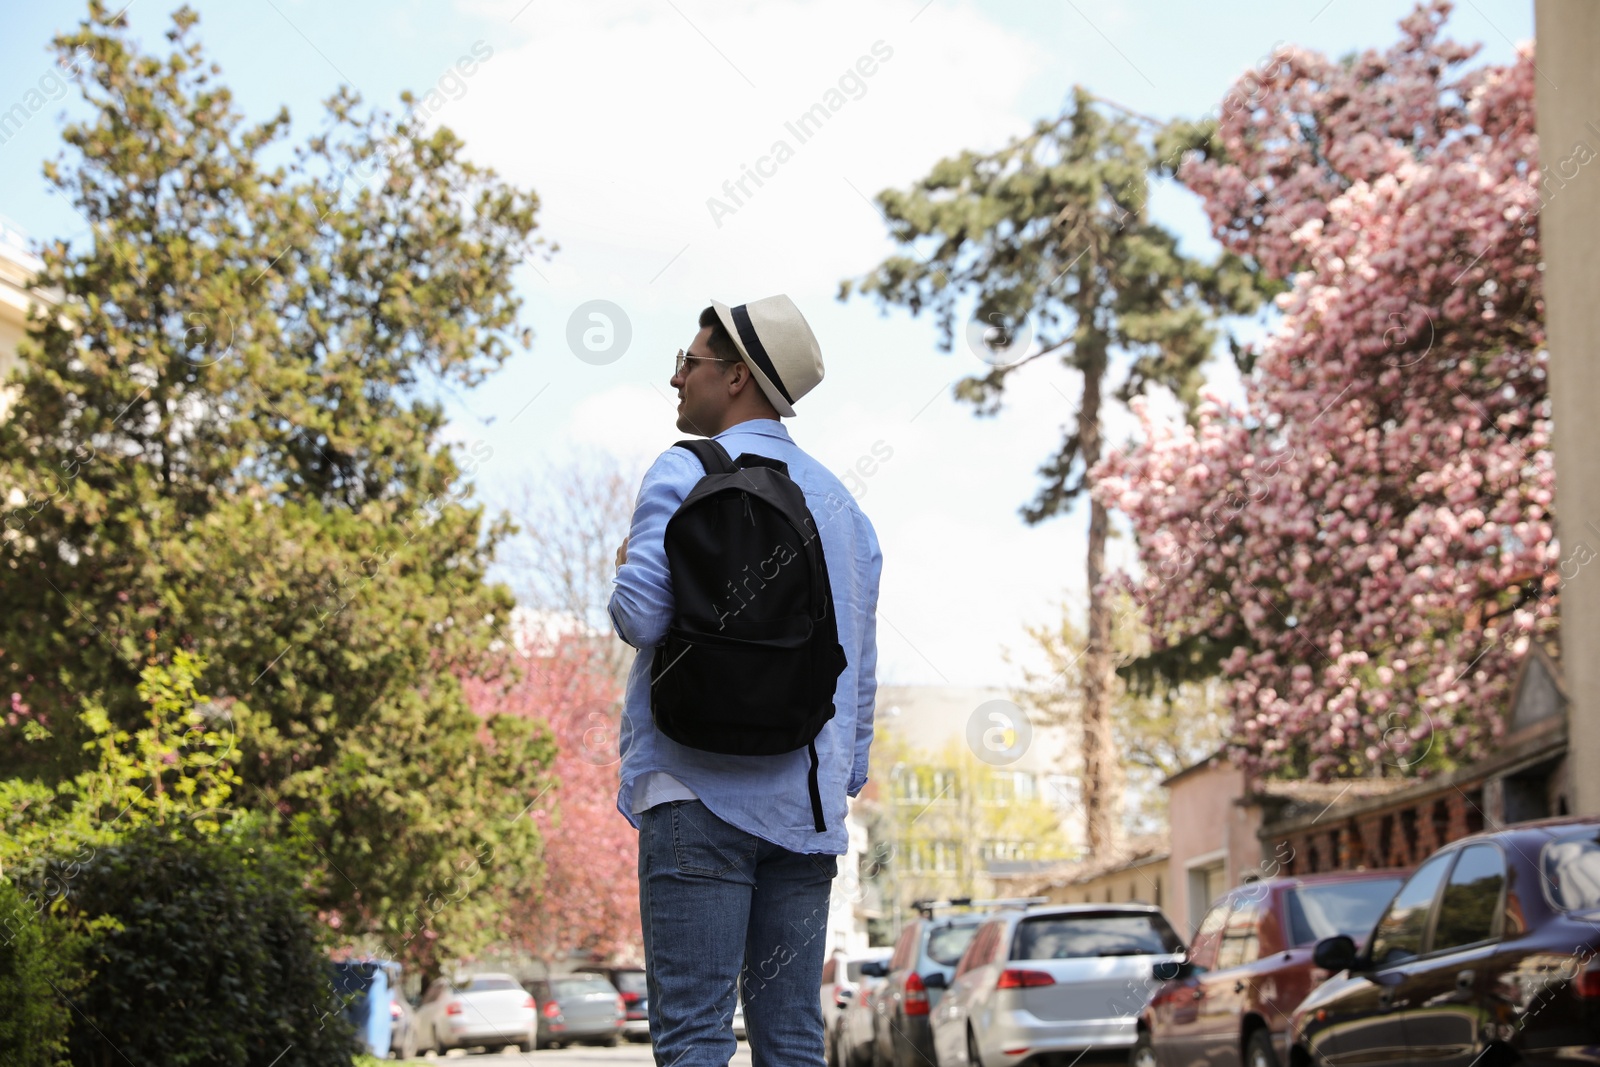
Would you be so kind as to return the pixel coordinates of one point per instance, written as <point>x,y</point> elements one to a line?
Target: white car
<point>841,983</point>
<point>1053,979</point>
<point>487,1010</point>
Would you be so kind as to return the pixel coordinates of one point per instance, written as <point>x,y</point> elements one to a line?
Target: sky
<point>627,117</point>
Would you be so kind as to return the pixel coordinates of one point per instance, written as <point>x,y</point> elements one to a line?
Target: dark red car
<point>1249,966</point>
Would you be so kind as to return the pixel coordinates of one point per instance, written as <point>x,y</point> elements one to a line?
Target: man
<point>734,874</point>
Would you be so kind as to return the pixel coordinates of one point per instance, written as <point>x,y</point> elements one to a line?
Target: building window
<point>1207,881</point>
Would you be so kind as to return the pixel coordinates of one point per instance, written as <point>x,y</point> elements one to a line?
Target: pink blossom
<point>1392,450</point>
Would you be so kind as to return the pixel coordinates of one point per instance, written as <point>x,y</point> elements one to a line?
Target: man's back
<point>764,795</point>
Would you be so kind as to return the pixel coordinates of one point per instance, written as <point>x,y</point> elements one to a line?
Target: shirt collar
<point>759,427</point>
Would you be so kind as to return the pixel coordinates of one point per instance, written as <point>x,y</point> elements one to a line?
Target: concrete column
<point>1567,33</point>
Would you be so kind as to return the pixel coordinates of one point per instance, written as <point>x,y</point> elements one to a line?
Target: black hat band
<point>752,345</point>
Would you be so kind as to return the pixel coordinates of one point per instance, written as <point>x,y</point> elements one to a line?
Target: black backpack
<point>752,655</point>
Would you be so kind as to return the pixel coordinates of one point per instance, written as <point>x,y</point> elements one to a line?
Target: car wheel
<point>1144,1053</point>
<point>1258,1050</point>
<point>974,1057</point>
<point>609,1041</point>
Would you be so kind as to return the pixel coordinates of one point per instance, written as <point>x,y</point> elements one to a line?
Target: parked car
<point>631,983</point>
<point>402,1028</point>
<point>482,1010</point>
<point>924,961</point>
<point>853,1037</point>
<point>369,984</point>
<point>578,1008</point>
<point>1249,966</point>
<point>1053,979</point>
<point>1487,955</point>
<point>841,979</point>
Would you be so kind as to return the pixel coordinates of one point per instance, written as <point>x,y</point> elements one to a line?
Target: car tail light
<point>622,1005</point>
<point>453,1008</point>
<point>529,1003</point>
<point>916,998</point>
<point>394,1010</point>
<point>1586,983</point>
<point>1015,978</point>
<point>552,1010</point>
<point>630,998</point>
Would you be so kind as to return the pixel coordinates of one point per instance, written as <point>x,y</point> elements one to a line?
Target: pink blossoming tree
<point>589,900</point>
<point>1366,547</point>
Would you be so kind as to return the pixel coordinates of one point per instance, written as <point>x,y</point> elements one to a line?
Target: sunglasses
<point>684,360</point>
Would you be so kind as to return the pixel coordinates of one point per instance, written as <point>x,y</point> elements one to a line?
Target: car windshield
<point>1572,871</point>
<point>630,982</point>
<point>579,987</point>
<point>485,983</point>
<point>1111,933</point>
<point>1348,908</point>
<point>947,943</point>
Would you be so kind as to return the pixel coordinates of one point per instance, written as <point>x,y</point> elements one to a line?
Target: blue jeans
<point>715,901</point>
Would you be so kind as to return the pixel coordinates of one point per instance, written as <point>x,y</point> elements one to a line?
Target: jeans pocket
<point>704,844</point>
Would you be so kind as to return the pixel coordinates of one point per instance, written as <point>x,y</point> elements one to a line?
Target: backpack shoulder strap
<point>712,456</point>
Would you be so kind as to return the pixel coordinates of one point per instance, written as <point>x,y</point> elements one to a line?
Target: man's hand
<point>622,553</point>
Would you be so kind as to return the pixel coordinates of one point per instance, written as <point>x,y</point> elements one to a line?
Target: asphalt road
<point>637,1055</point>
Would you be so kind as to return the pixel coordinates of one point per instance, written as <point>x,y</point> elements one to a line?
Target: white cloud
<point>626,119</point>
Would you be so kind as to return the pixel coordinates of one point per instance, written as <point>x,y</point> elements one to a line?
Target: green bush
<point>209,957</point>
<point>36,977</point>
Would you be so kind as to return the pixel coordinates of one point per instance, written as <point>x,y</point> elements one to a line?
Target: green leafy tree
<point>1158,731</point>
<point>1050,237</point>
<point>225,442</point>
<point>173,770</point>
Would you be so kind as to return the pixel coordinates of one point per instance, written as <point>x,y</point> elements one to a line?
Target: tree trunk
<point>1102,771</point>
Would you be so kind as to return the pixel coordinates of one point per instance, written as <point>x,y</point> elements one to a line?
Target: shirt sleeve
<point>641,597</point>
<point>867,671</point>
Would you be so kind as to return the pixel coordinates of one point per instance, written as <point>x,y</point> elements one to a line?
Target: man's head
<point>715,388</point>
<point>769,359</point>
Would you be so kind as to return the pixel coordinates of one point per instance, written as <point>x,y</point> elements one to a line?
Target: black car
<point>1486,956</point>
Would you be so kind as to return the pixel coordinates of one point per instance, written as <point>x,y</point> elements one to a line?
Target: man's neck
<point>737,420</point>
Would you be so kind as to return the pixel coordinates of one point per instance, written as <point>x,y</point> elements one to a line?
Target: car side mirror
<point>874,969</point>
<point>1171,970</point>
<point>936,980</point>
<point>1337,953</point>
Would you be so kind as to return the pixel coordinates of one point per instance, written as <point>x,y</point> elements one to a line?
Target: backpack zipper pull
<point>747,513</point>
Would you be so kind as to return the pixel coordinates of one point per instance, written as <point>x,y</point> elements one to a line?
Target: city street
<point>582,1056</point>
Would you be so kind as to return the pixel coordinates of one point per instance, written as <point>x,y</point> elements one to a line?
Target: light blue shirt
<point>763,795</point>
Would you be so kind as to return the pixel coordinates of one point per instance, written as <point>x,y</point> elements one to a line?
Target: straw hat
<point>777,345</point>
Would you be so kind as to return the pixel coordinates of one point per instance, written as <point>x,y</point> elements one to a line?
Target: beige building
<point>17,268</point>
<point>1138,875</point>
<point>1567,95</point>
<point>963,785</point>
